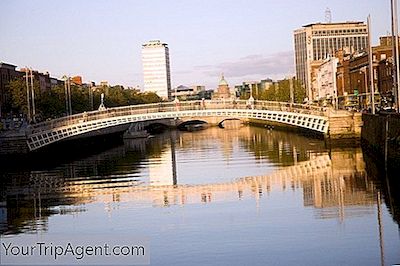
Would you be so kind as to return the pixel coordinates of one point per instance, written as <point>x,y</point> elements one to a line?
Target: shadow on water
<point>330,180</point>
<point>60,152</point>
<point>31,192</point>
<point>386,178</point>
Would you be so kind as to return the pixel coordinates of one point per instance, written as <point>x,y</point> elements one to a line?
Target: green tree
<point>16,89</point>
<point>299,91</point>
<point>79,99</point>
<point>116,97</point>
<point>51,104</point>
<point>280,91</point>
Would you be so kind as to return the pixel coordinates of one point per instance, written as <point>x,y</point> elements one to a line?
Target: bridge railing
<point>173,107</point>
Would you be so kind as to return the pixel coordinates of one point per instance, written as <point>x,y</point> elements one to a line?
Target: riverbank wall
<point>380,135</point>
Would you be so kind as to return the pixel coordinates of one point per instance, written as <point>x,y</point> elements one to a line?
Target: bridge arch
<point>184,124</point>
<point>48,132</point>
<point>221,124</point>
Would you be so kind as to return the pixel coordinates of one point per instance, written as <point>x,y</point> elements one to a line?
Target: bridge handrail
<point>175,106</point>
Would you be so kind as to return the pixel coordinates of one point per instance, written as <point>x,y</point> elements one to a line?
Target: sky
<point>101,39</point>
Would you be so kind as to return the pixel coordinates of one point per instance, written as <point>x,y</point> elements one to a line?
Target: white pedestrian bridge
<point>307,117</point>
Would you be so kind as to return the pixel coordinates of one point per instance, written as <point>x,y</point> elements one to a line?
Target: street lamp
<point>395,48</point>
<point>364,70</point>
<point>67,89</point>
<point>27,95</point>
<point>250,102</point>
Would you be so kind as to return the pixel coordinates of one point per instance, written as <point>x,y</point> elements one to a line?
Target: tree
<point>299,91</point>
<point>280,91</point>
<point>17,90</point>
<point>51,104</point>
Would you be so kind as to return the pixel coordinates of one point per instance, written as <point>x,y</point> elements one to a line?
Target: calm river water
<point>234,196</point>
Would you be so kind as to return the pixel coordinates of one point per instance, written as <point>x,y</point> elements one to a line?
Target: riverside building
<point>313,43</point>
<point>156,68</point>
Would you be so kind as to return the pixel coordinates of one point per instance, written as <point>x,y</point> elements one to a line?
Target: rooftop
<point>360,23</point>
<point>154,43</point>
<point>8,66</point>
<point>335,23</point>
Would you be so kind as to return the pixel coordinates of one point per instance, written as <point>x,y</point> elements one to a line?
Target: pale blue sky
<point>101,40</point>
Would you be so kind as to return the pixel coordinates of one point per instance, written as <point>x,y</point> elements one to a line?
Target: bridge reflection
<point>145,172</point>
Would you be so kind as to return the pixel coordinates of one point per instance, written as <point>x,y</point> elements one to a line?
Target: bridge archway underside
<point>40,138</point>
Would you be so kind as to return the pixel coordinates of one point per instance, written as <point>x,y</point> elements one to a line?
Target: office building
<point>156,68</point>
<point>315,42</point>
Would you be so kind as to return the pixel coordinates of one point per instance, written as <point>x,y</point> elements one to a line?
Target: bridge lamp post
<point>251,100</point>
<point>176,101</point>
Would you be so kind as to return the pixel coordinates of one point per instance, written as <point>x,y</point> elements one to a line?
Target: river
<point>241,195</point>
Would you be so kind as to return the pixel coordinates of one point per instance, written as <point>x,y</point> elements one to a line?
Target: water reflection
<point>245,167</point>
<point>166,170</point>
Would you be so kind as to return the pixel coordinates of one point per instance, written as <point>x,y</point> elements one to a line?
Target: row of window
<point>336,32</point>
<point>157,72</point>
<point>322,47</point>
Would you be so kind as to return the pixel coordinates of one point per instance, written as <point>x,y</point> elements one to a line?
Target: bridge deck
<point>302,116</point>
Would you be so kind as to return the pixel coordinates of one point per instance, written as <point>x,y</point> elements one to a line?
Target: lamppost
<point>395,52</point>
<point>250,102</point>
<point>27,95</point>
<point>364,70</point>
<point>371,71</point>
<point>67,89</point>
<point>102,107</point>
<point>291,90</point>
<point>33,97</point>
<point>90,96</point>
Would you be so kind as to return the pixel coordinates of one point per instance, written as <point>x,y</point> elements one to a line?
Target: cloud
<point>281,63</point>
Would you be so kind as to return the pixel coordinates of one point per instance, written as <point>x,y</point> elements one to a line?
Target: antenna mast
<point>328,15</point>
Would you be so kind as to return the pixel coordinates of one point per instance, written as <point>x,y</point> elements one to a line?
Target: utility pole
<point>33,98</point>
<point>66,95</point>
<point>69,96</point>
<point>90,97</point>
<point>395,52</point>
<point>28,100</point>
<point>291,89</point>
<point>371,70</point>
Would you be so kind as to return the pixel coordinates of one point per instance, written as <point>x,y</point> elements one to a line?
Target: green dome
<point>223,82</point>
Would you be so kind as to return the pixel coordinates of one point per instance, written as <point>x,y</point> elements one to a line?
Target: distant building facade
<point>104,83</point>
<point>314,42</point>
<point>255,87</point>
<point>353,75</point>
<point>77,80</point>
<point>156,68</point>
<point>326,79</point>
<point>8,73</point>
<point>43,79</point>
<point>182,92</point>
<point>223,90</point>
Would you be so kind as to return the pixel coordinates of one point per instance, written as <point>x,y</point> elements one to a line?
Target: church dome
<point>223,82</point>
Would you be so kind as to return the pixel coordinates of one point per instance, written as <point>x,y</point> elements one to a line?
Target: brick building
<point>8,72</point>
<point>353,74</point>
